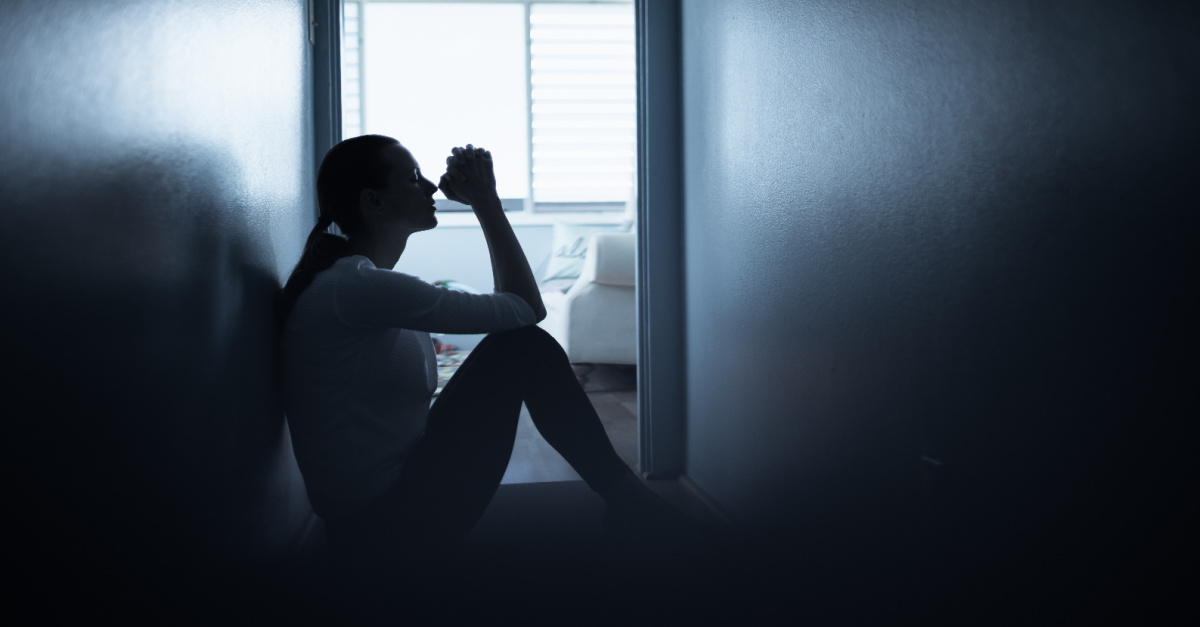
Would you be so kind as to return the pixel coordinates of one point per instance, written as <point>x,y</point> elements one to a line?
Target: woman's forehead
<point>401,158</point>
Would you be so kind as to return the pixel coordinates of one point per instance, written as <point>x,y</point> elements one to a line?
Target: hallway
<point>914,277</point>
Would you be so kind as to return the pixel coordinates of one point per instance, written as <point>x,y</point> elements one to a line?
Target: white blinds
<point>583,102</point>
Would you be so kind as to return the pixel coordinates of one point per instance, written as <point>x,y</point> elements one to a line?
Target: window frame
<point>525,210</point>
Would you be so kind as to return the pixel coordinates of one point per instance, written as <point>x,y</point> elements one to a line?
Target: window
<point>548,87</point>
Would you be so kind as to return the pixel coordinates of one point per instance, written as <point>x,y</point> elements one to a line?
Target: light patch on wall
<point>174,74</point>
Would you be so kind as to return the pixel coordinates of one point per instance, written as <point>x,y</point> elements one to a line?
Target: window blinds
<point>583,102</point>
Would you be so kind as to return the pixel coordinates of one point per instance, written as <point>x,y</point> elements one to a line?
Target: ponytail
<point>321,251</point>
<point>348,168</point>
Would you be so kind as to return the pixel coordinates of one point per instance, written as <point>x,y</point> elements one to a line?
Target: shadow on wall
<point>145,420</point>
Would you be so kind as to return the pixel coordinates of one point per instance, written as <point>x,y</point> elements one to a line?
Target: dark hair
<point>348,168</point>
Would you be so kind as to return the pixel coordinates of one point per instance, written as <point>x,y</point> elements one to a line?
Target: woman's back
<point>356,396</point>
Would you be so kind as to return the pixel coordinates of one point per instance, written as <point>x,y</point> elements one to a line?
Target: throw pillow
<point>567,253</point>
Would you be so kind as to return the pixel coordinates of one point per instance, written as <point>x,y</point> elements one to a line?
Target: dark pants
<point>453,472</point>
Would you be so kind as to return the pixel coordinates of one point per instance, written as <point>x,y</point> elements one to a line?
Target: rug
<point>448,361</point>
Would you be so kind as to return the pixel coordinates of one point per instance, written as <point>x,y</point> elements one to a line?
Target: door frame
<point>325,41</point>
<point>660,288</point>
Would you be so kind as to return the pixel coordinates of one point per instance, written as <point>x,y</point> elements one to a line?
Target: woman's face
<point>406,203</point>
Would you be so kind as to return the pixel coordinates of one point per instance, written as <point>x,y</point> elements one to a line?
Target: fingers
<point>454,173</point>
<point>462,157</point>
<point>453,165</point>
<point>470,152</point>
<point>446,185</point>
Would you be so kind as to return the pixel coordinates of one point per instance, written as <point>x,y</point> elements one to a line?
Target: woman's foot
<point>636,519</point>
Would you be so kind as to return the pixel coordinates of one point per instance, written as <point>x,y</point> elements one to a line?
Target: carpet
<point>448,361</point>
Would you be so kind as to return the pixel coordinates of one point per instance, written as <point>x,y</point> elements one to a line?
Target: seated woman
<point>391,475</point>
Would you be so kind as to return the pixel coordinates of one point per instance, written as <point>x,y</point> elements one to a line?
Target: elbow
<point>538,307</point>
<point>539,310</point>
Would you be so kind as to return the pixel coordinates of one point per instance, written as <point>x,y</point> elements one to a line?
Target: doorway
<point>561,121</point>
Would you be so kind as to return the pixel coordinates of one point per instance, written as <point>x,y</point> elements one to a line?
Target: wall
<point>955,230</point>
<point>155,176</point>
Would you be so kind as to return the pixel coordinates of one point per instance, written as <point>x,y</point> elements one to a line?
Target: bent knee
<point>523,336</point>
<point>531,333</point>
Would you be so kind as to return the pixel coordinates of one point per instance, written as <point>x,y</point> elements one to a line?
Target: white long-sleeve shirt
<point>359,370</point>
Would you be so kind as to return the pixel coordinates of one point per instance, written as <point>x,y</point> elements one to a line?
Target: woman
<point>389,474</point>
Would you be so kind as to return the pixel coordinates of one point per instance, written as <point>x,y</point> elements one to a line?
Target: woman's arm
<point>470,179</point>
<point>510,267</point>
<point>365,297</point>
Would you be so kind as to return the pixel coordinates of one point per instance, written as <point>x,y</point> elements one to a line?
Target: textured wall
<point>950,229</point>
<point>155,181</point>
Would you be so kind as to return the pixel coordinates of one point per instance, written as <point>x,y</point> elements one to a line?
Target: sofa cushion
<point>611,260</point>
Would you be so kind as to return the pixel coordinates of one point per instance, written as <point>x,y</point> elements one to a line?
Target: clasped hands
<point>469,178</point>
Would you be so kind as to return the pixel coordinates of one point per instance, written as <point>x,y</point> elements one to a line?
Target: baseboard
<point>715,508</point>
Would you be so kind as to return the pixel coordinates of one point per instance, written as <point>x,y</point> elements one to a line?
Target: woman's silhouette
<point>390,475</point>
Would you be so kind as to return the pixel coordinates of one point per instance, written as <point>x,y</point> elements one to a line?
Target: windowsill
<point>455,219</point>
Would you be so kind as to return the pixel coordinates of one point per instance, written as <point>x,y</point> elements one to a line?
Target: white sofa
<point>595,319</point>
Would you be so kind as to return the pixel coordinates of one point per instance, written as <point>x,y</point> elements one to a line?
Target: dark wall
<point>957,230</point>
<point>155,175</point>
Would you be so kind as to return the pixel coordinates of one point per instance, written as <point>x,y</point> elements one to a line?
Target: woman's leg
<point>452,474</point>
<point>562,412</point>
